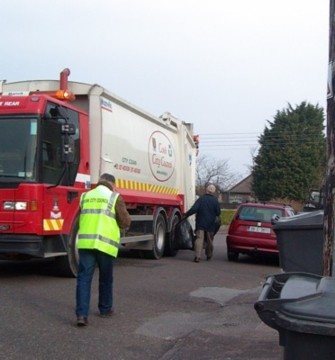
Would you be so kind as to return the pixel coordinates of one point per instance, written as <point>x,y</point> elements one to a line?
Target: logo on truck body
<point>161,156</point>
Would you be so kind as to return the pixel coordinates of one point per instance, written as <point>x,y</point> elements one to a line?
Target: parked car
<point>250,231</point>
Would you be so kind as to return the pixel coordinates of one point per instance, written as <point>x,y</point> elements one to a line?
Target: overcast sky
<point>225,65</point>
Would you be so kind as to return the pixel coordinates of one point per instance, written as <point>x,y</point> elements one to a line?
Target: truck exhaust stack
<point>63,82</point>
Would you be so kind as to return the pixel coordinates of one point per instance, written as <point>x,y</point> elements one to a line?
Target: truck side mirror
<point>68,149</point>
<point>68,129</point>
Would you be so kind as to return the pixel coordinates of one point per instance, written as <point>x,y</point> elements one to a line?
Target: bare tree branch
<point>217,172</point>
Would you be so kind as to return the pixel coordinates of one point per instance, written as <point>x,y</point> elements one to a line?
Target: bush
<point>227,215</point>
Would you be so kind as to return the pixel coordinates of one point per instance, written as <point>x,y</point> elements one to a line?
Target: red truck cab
<point>44,156</point>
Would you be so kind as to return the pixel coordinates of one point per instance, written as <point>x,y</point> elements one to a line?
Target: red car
<point>250,231</point>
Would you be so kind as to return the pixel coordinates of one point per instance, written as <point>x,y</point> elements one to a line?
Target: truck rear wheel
<point>159,239</point>
<point>171,246</point>
<point>68,265</point>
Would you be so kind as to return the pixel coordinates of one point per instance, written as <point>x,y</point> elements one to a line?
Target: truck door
<point>60,209</point>
<point>60,162</point>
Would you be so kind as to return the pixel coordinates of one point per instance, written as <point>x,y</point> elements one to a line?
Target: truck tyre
<point>171,246</point>
<point>159,239</point>
<point>67,266</point>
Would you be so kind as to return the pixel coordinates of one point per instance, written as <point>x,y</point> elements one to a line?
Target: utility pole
<point>328,226</point>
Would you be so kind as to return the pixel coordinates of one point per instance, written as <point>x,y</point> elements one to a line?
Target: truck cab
<point>40,159</point>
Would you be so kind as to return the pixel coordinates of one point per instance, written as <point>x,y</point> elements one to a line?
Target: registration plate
<point>260,229</point>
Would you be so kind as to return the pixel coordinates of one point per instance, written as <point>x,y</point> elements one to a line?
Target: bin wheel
<point>232,255</point>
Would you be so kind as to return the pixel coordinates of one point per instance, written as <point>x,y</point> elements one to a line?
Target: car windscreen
<point>258,213</point>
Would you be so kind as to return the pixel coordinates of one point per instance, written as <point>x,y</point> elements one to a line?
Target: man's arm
<point>218,209</point>
<point>193,209</point>
<point>122,216</point>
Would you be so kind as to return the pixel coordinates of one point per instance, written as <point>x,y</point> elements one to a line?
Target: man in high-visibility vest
<point>102,214</point>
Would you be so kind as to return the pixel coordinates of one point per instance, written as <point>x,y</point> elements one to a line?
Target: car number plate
<point>260,229</point>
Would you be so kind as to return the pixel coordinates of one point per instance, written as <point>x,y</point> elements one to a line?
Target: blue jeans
<point>88,260</point>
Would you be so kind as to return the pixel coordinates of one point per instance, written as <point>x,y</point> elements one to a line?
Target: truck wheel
<point>159,239</point>
<point>68,265</point>
<point>170,246</point>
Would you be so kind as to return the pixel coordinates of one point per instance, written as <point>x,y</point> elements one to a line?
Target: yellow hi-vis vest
<point>98,228</point>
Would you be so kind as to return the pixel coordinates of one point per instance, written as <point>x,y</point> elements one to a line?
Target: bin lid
<point>312,312</point>
<point>300,286</point>
<point>307,220</point>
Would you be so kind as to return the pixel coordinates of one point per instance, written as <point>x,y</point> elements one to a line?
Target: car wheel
<point>232,255</point>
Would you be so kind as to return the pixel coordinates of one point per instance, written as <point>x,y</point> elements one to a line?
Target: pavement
<point>236,332</point>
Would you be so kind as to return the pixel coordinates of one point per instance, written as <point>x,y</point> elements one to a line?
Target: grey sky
<point>226,66</point>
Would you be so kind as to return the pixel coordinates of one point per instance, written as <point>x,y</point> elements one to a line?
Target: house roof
<point>244,186</point>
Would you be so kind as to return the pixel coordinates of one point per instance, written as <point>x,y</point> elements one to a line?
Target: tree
<point>329,202</point>
<point>292,155</point>
<point>216,172</point>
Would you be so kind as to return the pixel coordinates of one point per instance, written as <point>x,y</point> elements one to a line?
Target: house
<point>241,192</point>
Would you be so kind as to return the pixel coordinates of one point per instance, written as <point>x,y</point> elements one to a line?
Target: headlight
<point>21,205</point>
<point>15,205</point>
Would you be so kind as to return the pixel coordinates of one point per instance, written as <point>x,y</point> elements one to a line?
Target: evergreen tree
<point>292,155</point>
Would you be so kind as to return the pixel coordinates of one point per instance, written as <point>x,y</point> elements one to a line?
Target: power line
<point>249,139</point>
<point>257,135</point>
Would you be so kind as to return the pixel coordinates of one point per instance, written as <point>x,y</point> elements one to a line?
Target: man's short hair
<point>107,177</point>
<point>210,189</point>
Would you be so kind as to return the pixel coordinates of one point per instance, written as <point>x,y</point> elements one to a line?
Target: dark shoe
<point>209,257</point>
<point>82,321</point>
<point>107,314</point>
<point>196,259</point>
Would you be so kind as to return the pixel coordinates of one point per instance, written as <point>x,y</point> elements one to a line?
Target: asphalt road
<point>170,309</point>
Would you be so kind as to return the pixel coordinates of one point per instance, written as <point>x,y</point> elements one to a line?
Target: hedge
<point>227,215</point>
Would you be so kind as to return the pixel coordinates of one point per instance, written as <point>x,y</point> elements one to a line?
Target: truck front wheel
<point>68,265</point>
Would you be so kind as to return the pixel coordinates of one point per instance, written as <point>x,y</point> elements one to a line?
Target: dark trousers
<point>88,260</point>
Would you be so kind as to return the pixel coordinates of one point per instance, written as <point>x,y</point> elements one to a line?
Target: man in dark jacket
<point>206,210</point>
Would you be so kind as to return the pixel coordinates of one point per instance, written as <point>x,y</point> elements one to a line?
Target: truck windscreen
<point>18,148</point>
